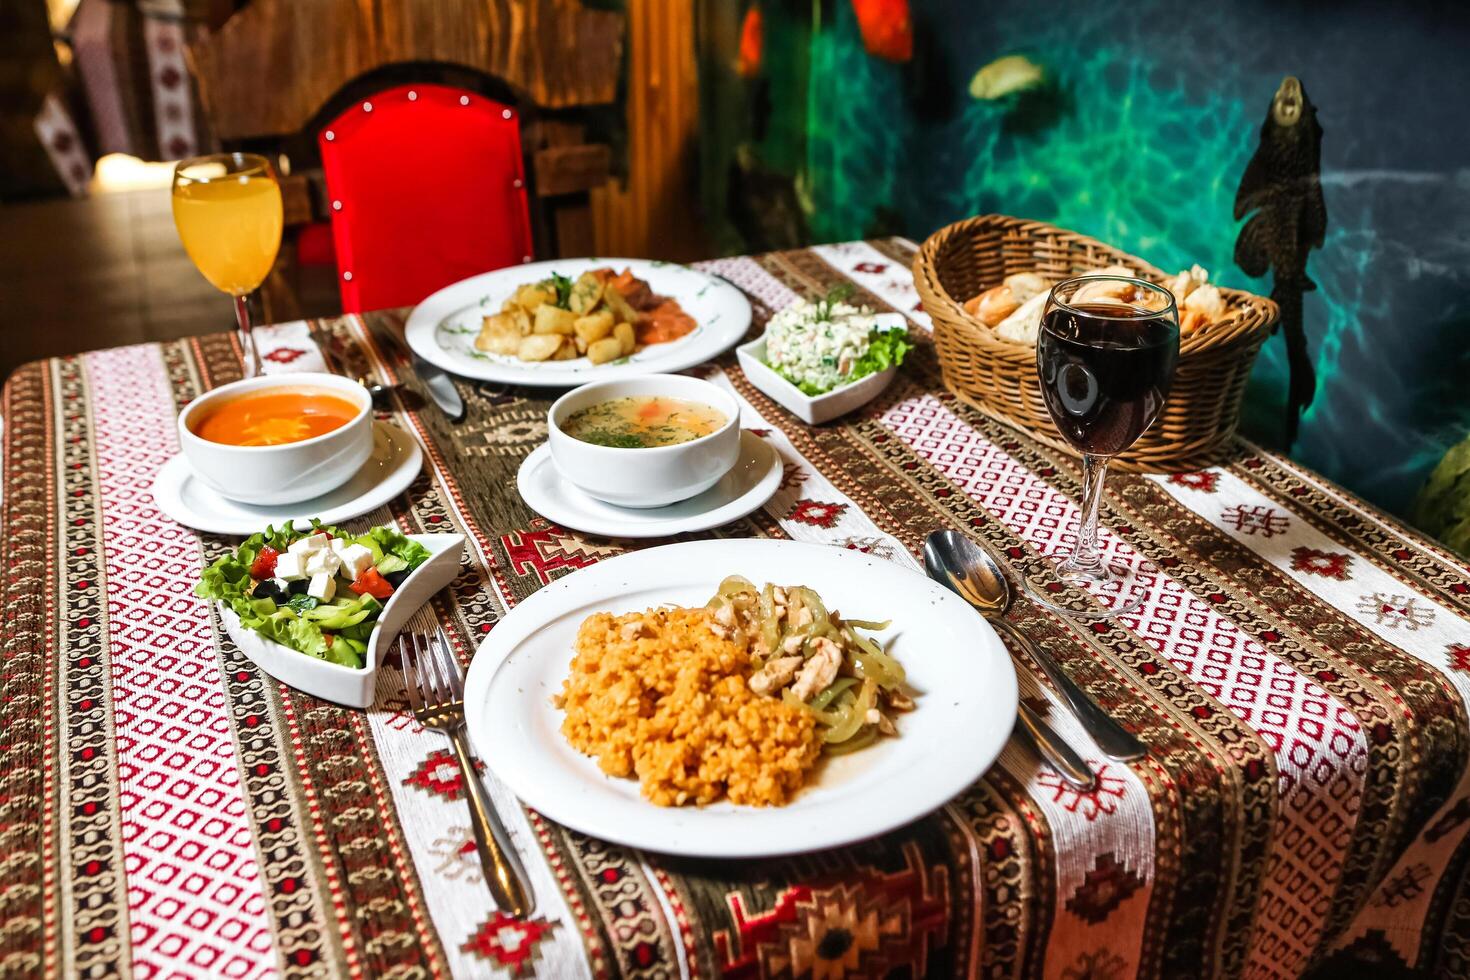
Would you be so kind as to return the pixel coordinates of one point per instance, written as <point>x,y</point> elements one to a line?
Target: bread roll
<point>993,305</point>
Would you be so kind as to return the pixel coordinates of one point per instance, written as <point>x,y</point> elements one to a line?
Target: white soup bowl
<point>648,477</point>
<point>288,473</point>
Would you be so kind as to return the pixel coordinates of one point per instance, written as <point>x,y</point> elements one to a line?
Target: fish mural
<point>1282,193</point>
<point>1005,76</point>
<point>887,28</point>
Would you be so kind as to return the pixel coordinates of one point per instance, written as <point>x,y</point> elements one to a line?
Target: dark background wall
<point>1139,136</point>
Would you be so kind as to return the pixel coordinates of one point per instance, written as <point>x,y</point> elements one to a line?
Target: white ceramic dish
<point>349,685</point>
<point>288,473</point>
<point>964,682</point>
<point>652,477</point>
<point>443,327</point>
<point>755,476</point>
<point>395,461</point>
<point>815,409</point>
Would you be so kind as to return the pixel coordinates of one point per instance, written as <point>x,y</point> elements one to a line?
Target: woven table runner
<point>1299,672</point>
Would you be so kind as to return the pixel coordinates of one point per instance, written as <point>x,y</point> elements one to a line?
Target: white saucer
<point>750,483</point>
<point>395,462</point>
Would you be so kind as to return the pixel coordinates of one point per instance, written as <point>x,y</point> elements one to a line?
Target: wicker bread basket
<point>999,377</point>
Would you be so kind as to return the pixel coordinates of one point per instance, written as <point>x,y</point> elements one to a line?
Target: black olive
<point>395,579</point>
<point>268,589</point>
<point>297,586</point>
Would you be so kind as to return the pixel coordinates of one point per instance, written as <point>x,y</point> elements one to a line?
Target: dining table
<point>1298,672</point>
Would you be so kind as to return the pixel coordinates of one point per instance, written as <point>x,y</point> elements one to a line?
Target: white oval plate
<point>750,483</point>
<point>442,329</point>
<point>395,462</point>
<point>965,689</point>
<point>352,686</point>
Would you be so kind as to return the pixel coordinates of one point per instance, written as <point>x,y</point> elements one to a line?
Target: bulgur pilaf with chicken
<point>737,699</point>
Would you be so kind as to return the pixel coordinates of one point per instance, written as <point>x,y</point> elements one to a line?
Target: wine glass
<point>1106,354</point>
<point>227,208</point>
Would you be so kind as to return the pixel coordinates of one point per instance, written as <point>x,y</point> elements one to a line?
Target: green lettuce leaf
<point>336,631</point>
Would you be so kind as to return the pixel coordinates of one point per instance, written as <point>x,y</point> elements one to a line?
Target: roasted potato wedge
<point>553,319</point>
<point>567,351</point>
<point>622,310</point>
<point>623,334</point>
<point>522,319</point>
<point>586,293</point>
<point>533,295</point>
<point>539,346</point>
<point>594,326</point>
<point>499,335</point>
<point>604,350</point>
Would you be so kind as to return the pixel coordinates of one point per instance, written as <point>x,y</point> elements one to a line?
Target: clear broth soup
<point>643,421</point>
<point>275,417</point>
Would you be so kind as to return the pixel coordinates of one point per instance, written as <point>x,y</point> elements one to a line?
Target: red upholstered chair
<point>426,186</point>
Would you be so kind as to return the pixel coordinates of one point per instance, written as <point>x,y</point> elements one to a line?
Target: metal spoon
<point>973,573</point>
<point>1047,743</point>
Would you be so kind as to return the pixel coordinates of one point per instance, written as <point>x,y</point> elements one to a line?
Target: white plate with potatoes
<point>563,323</point>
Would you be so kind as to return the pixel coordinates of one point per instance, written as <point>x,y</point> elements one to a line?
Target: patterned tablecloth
<point>1299,673</point>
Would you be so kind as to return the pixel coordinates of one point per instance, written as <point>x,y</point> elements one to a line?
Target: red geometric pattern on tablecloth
<point>1204,481</point>
<point>1109,884</point>
<point>1328,564</point>
<point>1256,520</point>
<point>439,775</point>
<point>194,892</point>
<point>1101,800</point>
<point>864,923</point>
<point>817,513</point>
<point>507,941</point>
<point>1317,742</point>
<point>1459,654</point>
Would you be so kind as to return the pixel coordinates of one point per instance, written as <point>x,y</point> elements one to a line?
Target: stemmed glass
<point>227,208</point>
<point>1106,355</point>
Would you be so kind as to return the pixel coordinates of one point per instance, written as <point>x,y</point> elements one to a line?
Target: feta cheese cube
<point>308,545</point>
<point>356,559</point>
<point>323,586</point>
<point>282,584</point>
<point>323,561</point>
<point>289,567</point>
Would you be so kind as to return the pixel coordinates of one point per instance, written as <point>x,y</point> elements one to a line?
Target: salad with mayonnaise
<point>317,591</point>
<point>824,344</point>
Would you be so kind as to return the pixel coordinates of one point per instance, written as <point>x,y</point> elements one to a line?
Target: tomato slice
<point>264,565</point>
<point>372,583</point>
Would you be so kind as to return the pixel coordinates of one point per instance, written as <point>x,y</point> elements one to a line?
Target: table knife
<point>437,381</point>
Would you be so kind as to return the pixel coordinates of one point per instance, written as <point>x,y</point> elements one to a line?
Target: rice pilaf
<point>660,695</point>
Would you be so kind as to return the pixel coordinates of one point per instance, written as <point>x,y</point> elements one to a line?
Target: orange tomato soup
<point>274,417</point>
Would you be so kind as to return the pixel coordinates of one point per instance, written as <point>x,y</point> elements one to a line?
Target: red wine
<point>1105,372</point>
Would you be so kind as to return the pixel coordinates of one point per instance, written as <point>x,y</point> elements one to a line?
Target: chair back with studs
<point>426,186</point>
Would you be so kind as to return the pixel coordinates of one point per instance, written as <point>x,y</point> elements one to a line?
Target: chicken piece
<point>802,618</point>
<point>898,701</point>
<point>725,615</point>
<point>774,675</point>
<point>632,629</point>
<point>820,669</point>
<point>792,644</point>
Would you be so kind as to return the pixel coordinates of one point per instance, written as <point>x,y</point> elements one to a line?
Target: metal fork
<point>436,691</point>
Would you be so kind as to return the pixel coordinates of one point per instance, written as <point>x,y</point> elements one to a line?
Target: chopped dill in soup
<point>642,421</point>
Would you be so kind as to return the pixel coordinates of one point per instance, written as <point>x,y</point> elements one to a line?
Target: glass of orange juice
<point>227,208</point>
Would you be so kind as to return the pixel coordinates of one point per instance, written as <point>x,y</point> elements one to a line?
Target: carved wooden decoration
<point>275,63</point>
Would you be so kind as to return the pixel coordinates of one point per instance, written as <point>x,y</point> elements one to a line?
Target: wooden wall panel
<point>556,53</point>
<point>653,214</point>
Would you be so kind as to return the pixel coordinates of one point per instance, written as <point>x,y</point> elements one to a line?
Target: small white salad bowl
<point>353,686</point>
<point>815,409</point>
<point>288,473</point>
<point>655,476</point>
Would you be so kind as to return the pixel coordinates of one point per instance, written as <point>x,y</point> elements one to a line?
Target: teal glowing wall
<point>1139,138</point>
